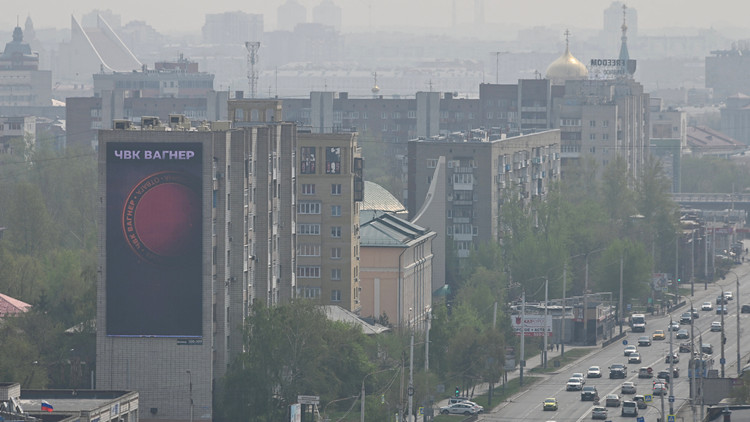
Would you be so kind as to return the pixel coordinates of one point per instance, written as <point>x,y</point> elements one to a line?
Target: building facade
<point>480,175</point>
<point>21,81</point>
<point>195,226</point>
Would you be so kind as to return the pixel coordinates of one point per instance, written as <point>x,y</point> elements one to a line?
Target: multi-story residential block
<point>330,188</point>
<point>479,176</point>
<point>195,226</point>
<point>18,131</point>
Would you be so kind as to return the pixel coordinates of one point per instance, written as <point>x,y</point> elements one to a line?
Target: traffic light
<point>458,392</point>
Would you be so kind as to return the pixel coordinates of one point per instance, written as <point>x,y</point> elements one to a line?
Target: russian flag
<point>46,406</point>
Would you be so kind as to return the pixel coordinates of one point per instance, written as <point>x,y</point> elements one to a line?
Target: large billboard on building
<point>154,227</point>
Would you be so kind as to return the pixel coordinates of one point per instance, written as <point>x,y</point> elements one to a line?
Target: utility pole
<point>620,309</point>
<point>671,364</point>
<point>546,285</point>
<point>523,336</point>
<point>410,389</point>
<point>692,264</point>
<point>562,323</point>
<point>585,303</point>
<point>692,357</point>
<point>723,334</point>
<point>190,382</point>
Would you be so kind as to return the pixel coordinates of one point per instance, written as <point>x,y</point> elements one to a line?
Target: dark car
<point>721,300</point>
<point>686,318</point>
<point>617,371</point>
<point>664,375</point>
<point>640,400</point>
<point>745,309</point>
<point>685,347</point>
<point>682,334</point>
<point>707,348</point>
<point>589,393</point>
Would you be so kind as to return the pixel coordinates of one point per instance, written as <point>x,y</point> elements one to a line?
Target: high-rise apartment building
<point>330,188</point>
<point>195,226</point>
<point>479,176</point>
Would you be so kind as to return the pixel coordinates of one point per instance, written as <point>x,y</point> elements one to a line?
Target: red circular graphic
<point>161,217</point>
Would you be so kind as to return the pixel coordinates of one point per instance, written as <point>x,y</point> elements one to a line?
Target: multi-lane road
<point>528,406</point>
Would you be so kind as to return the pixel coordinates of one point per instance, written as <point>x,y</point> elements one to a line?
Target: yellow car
<point>658,335</point>
<point>550,404</point>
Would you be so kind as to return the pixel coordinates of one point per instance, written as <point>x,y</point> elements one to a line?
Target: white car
<point>674,326</point>
<point>580,376</point>
<point>716,326</point>
<point>634,357</point>
<point>628,387</point>
<point>594,372</point>
<point>728,295</point>
<point>629,349</point>
<point>459,409</point>
<point>707,306</point>
<point>574,384</point>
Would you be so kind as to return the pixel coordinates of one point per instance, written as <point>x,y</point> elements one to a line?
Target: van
<point>629,408</point>
<point>638,323</point>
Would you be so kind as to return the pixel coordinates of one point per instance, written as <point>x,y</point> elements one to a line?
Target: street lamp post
<point>692,359</point>
<point>190,385</point>
<point>585,297</point>
<point>737,299</point>
<point>362,401</point>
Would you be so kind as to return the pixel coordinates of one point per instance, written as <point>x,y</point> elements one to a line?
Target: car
<point>721,300</point>
<point>686,318</point>
<point>664,375</point>
<point>599,413</point>
<point>589,393</point>
<point>452,400</point>
<point>461,408</point>
<point>645,373</point>
<point>722,308</point>
<point>574,384</point>
<point>659,388</point>
<point>634,357</point>
<point>658,335</point>
<point>716,326</point>
<point>617,371</point>
<point>640,401</point>
<point>745,309</point>
<point>673,358</point>
<point>612,400</point>
<point>550,404</point>
<point>628,387</point>
<point>629,349</point>
<point>644,341</point>
<point>695,313</point>
<point>707,348</point>
<point>629,408</point>
<point>682,334</point>
<point>685,347</point>
<point>707,306</point>
<point>675,372</point>
<point>728,295</point>
<point>579,375</point>
<point>673,326</point>
<point>594,372</point>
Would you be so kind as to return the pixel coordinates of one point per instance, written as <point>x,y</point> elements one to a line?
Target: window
<point>336,231</point>
<point>411,114</point>
<point>335,210</point>
<point>592,123</point>
<point>592,136</point>
<point>605,123</point>
<point>308,189</point>
<point>432,163</point>
<point>309,229</point>
<point>307,160</point>
<point>308,271</point>
<point>308,249</point>
<point>335,295</point>
<point>308,292</point>
<point>383,115</point>
<point>336,274</point>
<point>335,253</point>
<point>336,189</point>
<point>605,136</point>
<point>305,207</point>
<point>333,160</point>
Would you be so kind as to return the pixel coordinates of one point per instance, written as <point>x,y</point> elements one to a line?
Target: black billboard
<point>154,226</point>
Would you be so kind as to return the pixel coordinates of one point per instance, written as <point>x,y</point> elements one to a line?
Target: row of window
<point>577,122</point>
<point>309,189</point>
<point>314,293</point>
<point>306,207</point>
<point>308,160</point>
<point>313,271</point>
<point>314,230</point>
<point>313,249</point>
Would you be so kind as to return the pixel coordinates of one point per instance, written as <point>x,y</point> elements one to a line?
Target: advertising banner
<point>154,229</point>
<point>533,326</point>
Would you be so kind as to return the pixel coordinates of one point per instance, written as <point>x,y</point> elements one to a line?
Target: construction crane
<point>252,60</point>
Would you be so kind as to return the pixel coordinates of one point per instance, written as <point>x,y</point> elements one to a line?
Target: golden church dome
<point>566,67</point>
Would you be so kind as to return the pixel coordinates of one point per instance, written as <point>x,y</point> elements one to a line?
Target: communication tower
<point>252,59</point>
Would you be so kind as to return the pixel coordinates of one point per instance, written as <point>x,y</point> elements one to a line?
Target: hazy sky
<point>169,16</point>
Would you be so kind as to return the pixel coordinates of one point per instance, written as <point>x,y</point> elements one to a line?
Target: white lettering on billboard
<point>533,326</point>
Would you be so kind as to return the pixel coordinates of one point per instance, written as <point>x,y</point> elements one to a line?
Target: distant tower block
<point>252,72</point>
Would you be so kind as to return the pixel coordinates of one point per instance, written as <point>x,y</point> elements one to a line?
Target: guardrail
<point>614,339</point>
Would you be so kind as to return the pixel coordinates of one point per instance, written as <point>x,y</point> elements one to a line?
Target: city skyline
<point>360,15</point>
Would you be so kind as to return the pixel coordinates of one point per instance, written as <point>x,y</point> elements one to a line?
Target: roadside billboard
<point>153,231</point>
<point>533,325</point>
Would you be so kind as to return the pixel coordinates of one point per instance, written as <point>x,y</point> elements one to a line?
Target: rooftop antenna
<point>375,88</point>
<point>252,59</point>
<point>497,64</point>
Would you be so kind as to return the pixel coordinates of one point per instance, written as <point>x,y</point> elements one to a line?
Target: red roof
<point>11,306</point>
